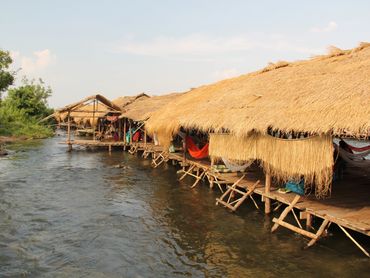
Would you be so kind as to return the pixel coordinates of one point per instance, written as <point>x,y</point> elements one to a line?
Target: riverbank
<point>11,139</point>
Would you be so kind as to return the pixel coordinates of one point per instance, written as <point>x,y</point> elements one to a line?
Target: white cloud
<point>39,61</point>
<point>203,46</point>
<point>331,26</point>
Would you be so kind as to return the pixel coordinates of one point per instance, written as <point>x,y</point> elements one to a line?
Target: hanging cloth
<point>359,149</point>
<point>236,167</point>
<point>194,151</point>
<point>136,136</point>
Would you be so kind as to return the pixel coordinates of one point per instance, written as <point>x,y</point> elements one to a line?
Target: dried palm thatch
<point>327,94</point>
<point>123,101</point>
<point>142,108</point>
<point>83,112</point>
<point>284,159</point>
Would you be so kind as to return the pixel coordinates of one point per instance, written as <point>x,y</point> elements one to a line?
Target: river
<point>78,215</point>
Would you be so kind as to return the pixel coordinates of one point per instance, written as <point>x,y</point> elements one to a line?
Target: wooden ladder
<point>231,192</point>
<point>162,157</point>
<point>290,208</point>
<point>200,173</point>
<point>133,149</point>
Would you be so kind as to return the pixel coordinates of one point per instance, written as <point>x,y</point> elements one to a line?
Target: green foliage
<point>6,77</point>
<point>22,109</point>
<point>30,98</point>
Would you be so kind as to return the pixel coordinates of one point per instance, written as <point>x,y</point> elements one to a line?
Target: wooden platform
<point>348,206</point>
<point>95,143</point>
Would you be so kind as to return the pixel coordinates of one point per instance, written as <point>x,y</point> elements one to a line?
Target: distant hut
<point>92,115</point>
<point>136,111</point>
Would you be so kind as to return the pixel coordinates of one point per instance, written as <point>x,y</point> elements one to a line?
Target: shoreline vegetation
<point>22,107</point>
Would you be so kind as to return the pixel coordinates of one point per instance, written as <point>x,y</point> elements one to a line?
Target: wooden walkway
<point>95,143</point>
<point>348,207</point>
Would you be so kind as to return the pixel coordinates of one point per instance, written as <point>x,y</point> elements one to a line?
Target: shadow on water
<point>78,214</point>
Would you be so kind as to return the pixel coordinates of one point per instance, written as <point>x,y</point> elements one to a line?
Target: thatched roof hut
<point>85,110</point>
<point>327,96</point>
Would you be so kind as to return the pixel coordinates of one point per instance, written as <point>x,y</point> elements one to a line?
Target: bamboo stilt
<point>69,132</point>
<point>354,241</point>
<point>267,191</point>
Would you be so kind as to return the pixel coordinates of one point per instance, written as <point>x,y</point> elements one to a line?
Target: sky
<point>118,48</point>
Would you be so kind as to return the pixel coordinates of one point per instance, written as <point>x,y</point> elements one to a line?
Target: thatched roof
<point>327,94</point>
<point>82,103</point>
<point>142,108</point>
<point>126,100</point>
<point>83,111</point>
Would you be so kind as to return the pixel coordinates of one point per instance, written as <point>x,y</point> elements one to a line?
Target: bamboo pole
<point>144,137</point>
<point>119,130</point>
<point>267,191</point>
<point>124,131</point>
<point>354,241</point>
<point>184,151</point>
<point>69,131</point>
<point>93,119</point>
<point>130,132</point>
<point>308,221</point>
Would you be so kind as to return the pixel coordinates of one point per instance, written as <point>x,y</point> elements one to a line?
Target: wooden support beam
<point>285,213</point>
<point>93,119</point>
<point>69,132</point>
<point>267,191</point>
<point>130,126</point>
<point>294,228</point>
<point>187,172</point>
<point>145,137</point>
<point>308,221</point>
<point>124,131</point>
<point>319,232</point>
<point>354,241</point>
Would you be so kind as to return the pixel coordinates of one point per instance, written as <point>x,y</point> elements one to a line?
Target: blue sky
<point>127,47</point>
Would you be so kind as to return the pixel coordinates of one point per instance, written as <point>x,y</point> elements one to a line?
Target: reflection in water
<point>77,214</point>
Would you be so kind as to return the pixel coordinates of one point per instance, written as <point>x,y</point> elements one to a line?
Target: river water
<point>77,215</point>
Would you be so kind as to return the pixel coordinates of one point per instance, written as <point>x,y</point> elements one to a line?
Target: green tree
<point>6,76</point>
<point>30,98</point>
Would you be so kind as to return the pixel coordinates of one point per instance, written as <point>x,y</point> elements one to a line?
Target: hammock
<point>358,149</point>
<point>194,151</point>
<point>354,160</point>
<point>236,167</point>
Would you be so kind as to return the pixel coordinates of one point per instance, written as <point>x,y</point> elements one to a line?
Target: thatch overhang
<point>142,108</point>
<point>326,94</point>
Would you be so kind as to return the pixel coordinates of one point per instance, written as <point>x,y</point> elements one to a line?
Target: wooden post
<point>93,120</point>
<point>130,132</point>
<point>308,221</point>
<point>119,130</point>
<point>124,131</point>
<point>69,132</point>
<point>267,191</point>
<point>184,151</point>
<point>144,137</point>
